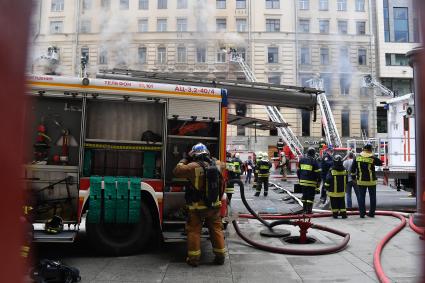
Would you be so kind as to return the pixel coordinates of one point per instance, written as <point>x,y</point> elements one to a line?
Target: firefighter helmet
<point>311,151</point>
<point>367,147</point>
<point>338,161</point>
<point>54,225</point>
<point>198,150</point>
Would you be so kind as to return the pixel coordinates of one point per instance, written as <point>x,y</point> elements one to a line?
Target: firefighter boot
<point>266,193</point>
<point>309,208</point>
<point>335,215</point>
<point>257,194</point>
<point>344,214</point>
<point>304,207</point>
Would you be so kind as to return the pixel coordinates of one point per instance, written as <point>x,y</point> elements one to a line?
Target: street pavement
<point>401,259</point>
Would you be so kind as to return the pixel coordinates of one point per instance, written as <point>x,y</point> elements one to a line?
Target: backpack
<point>213,183</point>
<point>55,272</point>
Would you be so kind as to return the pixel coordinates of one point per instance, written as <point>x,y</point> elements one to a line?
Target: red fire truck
<point>103,150</point>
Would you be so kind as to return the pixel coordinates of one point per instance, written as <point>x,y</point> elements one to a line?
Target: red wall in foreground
<point>14,21</point>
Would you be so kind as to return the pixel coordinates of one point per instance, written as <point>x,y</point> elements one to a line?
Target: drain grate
<point>296,240</point>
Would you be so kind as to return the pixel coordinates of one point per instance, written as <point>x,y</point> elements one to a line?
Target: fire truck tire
<point>121,239</point>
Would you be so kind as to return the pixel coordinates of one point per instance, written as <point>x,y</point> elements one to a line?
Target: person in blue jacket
<point>326,164</point>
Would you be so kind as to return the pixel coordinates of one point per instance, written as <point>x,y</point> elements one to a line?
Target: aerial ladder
<point>328,121</point>
<point>369,81</point>
<point>273,112</point>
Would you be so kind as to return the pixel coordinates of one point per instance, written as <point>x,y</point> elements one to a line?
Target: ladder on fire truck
<point>273,112</point>
<point>369,81</point>
<point>328,122</point>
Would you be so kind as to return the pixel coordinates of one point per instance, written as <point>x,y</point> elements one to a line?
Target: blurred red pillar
<point>14,26</point>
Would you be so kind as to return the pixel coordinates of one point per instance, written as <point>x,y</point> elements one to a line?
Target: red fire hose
<point>282,219</point>
<point>417,229</point>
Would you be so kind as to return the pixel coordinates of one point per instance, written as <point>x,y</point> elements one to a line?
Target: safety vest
<point>363,169</point>
<point>309,172</point>
<point>336,183</point>
<point>237,163</point>
<point>264,168</point>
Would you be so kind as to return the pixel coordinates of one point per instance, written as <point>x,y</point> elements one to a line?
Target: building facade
<point>397,32</point>
<point>284,41</point>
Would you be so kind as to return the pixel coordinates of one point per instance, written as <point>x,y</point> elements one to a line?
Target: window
<point>272,55</point>
<point>57,5</point>
<point>181,4</point>
<point>323,5</point>
<point>401,25</point>
<point>398,86</point>
<point>85,26</point>
<point>240,4</point>
<point>221,56</point>
<point>105,4</point>
<point>305,123</point>
<point>143,4</point>
<point>304,26</point>
<point>345,84</point>
<point>362,57</point>
<point>86,4</point>
<point>392,59</point>
<point>220,4</point>
<point>181,54</point>
<point>142,52</point>
<point>324,56</point>
<point>241,25</point>
<point>381,120</point>
<point>341,5</point>
<point>274,80</point>
<point>161,55</point>
<point>361,28</point>
<point>220,25</point>
<point>304,4</point>
<point>162,4</point>
<point>124,4</point>
<point>344,58</point>
<point>360,5</point>
<point>386,21</point>
<point>345,123</point>
<point>327,83</point>
<point>324,26</point>
<point>305,56</point>
<point>240,110</point>
<point>272,4</point>
<point>143,25</point>
<point>56,27</point>
<point>342,27</point>
<point>85,52</point>
<point>103,56</point>
<point>272,25</point>
<point>161,25</point>
<point>364,122</point>
<point>181,25</point>
<point>201,55</point>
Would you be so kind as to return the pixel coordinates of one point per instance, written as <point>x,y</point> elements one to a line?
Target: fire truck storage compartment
<point>57,114</point>
<point>114,145</point>
<point>183,134</point>
<point>52,180</point>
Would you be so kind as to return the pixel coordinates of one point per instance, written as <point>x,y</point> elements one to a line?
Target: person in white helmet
<point>264,166</point>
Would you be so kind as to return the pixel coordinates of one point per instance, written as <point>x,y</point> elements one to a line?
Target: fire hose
<point>285,219</point>
<point>417,229</point>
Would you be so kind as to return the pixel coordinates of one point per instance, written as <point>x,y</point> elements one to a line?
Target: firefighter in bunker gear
<point>198,211</point>
<point>363,173</point>
<point>309,179</point>
<point>237,165</point>
<point>263,166</point>
<point>257,159</point>
<point>325,166</point>
<point>336,184</point>
<point>230,188</point>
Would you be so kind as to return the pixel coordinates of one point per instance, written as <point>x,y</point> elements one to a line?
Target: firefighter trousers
<point>308,198</point>
<point>212,219</point>
<point>338,206</point>
<point>362,200</point>
<point>260,182</point>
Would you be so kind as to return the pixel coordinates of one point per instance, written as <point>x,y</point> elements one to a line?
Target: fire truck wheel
<point>121,239</point>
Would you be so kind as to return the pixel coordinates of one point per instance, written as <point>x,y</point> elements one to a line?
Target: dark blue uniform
<point>326,164</point>
<point>309,178</point>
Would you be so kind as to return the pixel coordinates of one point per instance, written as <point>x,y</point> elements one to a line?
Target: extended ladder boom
<point>274,114</point>
<point>371,82</point>
<point>329,126</point>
